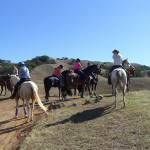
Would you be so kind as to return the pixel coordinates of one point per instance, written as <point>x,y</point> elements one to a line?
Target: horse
<point>73,80</point>
<point>130,70</point>
<point>93,85</point>
<point>119,76</point>
<point>27,90</point>
<point>5,84</point>
<point>52,81</point>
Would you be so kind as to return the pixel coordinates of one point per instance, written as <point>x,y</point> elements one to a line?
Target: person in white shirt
<point>15,70</point>
<point>117,63</point>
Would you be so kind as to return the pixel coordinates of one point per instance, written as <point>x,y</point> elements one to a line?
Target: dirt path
<point>13,131</point>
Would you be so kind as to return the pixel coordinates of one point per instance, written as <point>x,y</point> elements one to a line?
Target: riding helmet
<point>77,60</point>
<point>88,64</point>
<point>21,63</point>
<point>61,66</point>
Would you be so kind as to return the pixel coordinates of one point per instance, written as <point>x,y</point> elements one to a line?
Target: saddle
<point>55,80</point>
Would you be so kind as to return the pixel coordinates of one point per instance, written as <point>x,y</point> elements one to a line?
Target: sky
<point>85,29</point>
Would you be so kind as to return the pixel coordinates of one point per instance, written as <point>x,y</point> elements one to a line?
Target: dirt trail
<point>13,131</point>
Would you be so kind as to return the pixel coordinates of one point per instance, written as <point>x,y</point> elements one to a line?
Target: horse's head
<point>93,68</point>
<point>14,79</point>
<point>128,66</point>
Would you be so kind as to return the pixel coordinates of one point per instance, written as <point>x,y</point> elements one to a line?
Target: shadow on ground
<point>86,115</point>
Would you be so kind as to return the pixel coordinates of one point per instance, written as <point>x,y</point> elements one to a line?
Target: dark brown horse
<point>5,84</point>
<point>130,70</point>
<point>74,81</point>
<point>52,81</point>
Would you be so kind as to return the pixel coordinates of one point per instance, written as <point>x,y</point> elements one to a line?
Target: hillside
<point>6,67</point>
<point>42,71</point>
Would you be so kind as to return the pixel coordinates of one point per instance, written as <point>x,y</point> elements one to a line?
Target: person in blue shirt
<point>24,75</point>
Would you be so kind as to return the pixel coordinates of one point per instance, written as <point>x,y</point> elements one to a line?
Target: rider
<point>88,64</point>
<point>93,75</point>
<point>77,67</point>
<point>117,63</point>
<point>57,73</point>
<point>24,75</point>
<point>15,70</point>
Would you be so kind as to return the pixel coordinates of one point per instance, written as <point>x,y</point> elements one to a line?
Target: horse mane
<point>89,67</point>
<point>125,60</point>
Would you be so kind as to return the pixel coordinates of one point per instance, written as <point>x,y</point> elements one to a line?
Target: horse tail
<point>122,77</point>
<point>39,100</point>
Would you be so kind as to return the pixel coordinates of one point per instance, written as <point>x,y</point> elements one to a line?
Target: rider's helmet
<point>61,66</point>
<point>88,64</point>
<point>77,60</point>
<point>21,63</point>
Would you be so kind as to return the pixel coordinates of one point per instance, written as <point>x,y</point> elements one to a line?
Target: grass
<point>95,126</point>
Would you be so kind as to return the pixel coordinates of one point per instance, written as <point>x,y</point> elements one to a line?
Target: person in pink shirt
<point>57,73</point>
<point>77,67</point>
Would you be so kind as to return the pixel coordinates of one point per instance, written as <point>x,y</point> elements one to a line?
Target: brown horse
<point>73,80</point>
<point>130,70</point>
<point>5,84</point>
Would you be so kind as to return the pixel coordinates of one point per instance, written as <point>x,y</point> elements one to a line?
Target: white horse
<point>27,90</point>
<point>119,77</point>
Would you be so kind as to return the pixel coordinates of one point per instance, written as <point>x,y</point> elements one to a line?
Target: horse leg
<point>59,92</point>
<point>47,86</point>
<point>5,90</point>
<point>28,110</point>
<point>81,89</point>
<point>114,91</point>
<point>1,89</point>
<point>90,90</point>
<point>123,92</point>
<point>16,113</point>
<point>95,88</point>
<point>128,86</point>
<point>32,109</point>
<point>24,108</point>
<point>75,91</point>
<point>47,92</point>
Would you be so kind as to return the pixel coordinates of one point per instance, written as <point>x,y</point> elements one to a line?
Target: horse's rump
<point>52,80</point>
<point>119,73</point>
<point>73,79</point>
<point>26,89</point>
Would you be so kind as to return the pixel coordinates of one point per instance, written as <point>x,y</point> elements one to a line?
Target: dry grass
<point>95,126</point>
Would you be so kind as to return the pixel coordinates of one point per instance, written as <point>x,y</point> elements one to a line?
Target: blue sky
<point>85,29</point>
